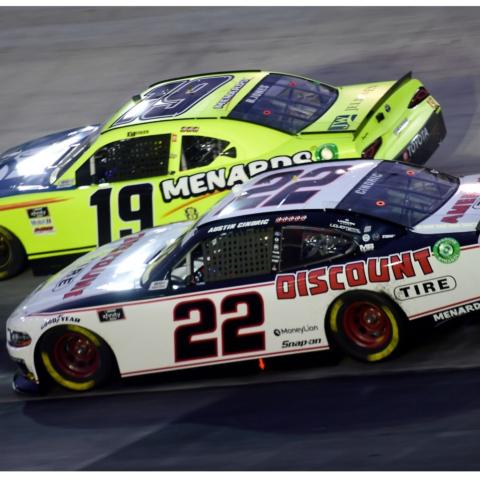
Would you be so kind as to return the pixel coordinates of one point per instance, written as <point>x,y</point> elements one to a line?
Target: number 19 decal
<point>144,214</point>
<point>233,341</point>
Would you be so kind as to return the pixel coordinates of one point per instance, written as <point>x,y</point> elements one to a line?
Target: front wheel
<point>76,358</point>
<point>12,255</point>
<point>367,326</point>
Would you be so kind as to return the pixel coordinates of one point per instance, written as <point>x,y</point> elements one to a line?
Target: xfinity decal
<point>100,266</point>
<point>111,315</point>
<point>427,287</point>
<point>460,207</point>
<point>216,180</point>
<point>38,212</point>
<point>457,312</point>
<point>353,274</point>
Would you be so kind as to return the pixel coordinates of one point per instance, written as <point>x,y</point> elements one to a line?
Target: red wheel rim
<point>76,355</point>
<point>367,325</point>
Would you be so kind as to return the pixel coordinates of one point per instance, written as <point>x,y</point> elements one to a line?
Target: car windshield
<point>155,264</point>
<point>41,161</point>
<point>400,193</point>
<point>285,103</point>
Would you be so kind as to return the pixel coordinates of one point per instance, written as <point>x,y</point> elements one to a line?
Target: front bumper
<point>425,142</point>
<point>23,384</point>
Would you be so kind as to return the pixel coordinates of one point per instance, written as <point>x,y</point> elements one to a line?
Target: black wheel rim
<point>5,251</point>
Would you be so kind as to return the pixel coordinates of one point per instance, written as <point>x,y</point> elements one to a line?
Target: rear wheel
<point>12,255</point>
<point>76,358</point>
<point>367,326</point>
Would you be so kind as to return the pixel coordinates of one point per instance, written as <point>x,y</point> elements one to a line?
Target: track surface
<point>63,68</point>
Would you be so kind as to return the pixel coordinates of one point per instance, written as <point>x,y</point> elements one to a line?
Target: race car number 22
<point>232,340</point>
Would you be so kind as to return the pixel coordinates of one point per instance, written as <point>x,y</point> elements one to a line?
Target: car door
<point>201,163</point>
<point>118,185</point>
<point>219,302</point>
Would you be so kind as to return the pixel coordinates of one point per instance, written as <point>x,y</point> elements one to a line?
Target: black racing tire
<point>12,255</point>
<point>75,358</point>
<point>367,326</point>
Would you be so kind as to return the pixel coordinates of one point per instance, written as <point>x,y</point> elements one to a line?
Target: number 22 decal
<point>233,341</point>
<point>101,200</point>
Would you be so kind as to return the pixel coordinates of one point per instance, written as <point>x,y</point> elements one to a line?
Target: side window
<point>239,254</point>
<point>127,160</point>
<point>199,151</point>
<point>189,271</point>
<point>305,246</point>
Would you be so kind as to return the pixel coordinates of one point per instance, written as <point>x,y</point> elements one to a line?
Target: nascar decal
<point>460,207</point>
<point>200,183</point>
<point>354,274</point>
<point>40,220</point>
<point>98,268</point>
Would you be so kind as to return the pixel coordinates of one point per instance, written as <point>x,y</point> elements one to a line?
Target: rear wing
<point>399,83</point>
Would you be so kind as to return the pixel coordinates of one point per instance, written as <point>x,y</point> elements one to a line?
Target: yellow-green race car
<point>175,149</point>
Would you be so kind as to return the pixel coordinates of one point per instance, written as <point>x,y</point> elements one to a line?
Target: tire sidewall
<point>17,258</point>
<point>50,367</point>
<point>396,317</point>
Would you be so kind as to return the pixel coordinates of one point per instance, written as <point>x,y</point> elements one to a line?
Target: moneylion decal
<point>220,179</point>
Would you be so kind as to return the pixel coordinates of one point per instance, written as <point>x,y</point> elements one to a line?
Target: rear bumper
<point>425,142</point>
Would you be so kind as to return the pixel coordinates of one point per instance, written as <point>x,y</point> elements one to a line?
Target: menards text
<point>205,182</point>
<point>354,274</point>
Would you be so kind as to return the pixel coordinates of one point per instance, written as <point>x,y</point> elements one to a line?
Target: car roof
<point>344,175</point>
<point>228,90</point>
<point>204,108</point>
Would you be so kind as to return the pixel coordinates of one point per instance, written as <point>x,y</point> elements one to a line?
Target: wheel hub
<point>76,355</point>
<point>367,325</point>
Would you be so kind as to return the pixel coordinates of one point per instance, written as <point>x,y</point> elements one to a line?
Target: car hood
<point>461,213</point>
<point>28,167</point>
<point>111,269</point>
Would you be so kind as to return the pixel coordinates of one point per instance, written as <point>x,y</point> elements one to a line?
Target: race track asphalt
<point>63,68</point>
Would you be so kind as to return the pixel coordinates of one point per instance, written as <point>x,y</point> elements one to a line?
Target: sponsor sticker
<point>59,319</point>
<point>424,288</point>
<point>342,122</point>
<point>278,332</point>
<point>158,285</point>
<point>446,250</point>
<point>111,315</point>
<point>301,343</point>
<point>456,312</point>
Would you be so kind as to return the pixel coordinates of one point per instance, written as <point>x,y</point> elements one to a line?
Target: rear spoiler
<point>399,83</point>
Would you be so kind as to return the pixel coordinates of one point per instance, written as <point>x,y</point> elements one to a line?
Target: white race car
<point>348,253</point>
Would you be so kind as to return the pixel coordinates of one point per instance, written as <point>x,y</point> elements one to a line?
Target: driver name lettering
<point>355,274</point>
<point>368,183</point>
